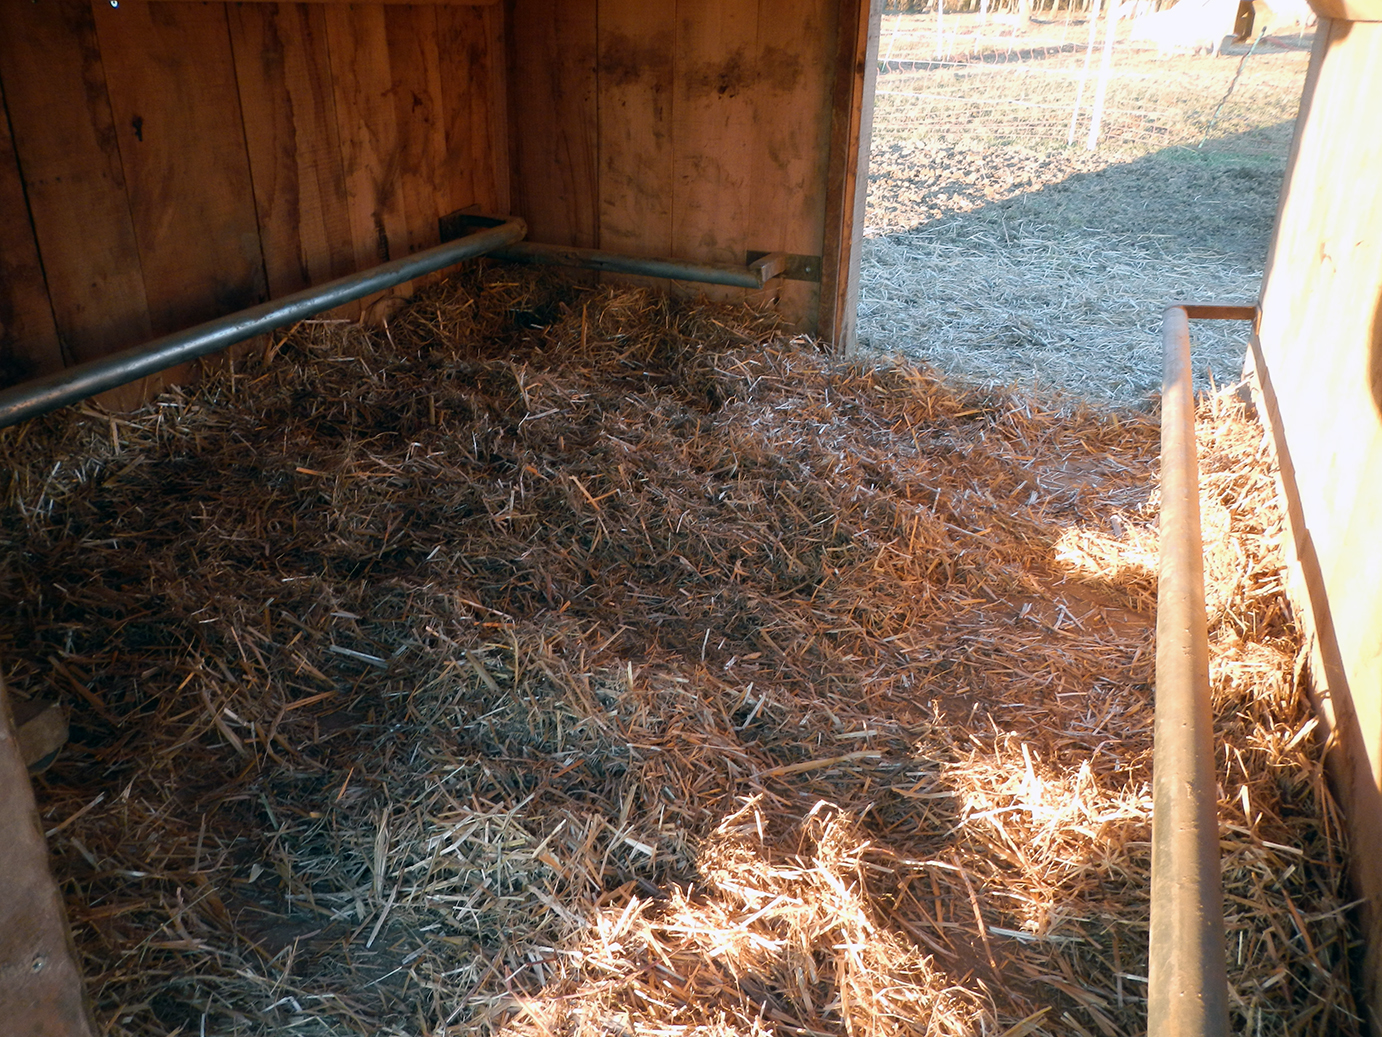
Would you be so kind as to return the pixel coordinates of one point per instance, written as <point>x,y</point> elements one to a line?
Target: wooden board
<point>1320,360</point>
<point>28,337</point>
<point>792,141</point>
<point>66,137</point>
<point>284,76</point>
<point>1349,10</point>
<point>178,123</point>
<point>366,119</point>
<point>41,990</point>
<point>554,115</point>
<point>856,71</point>
<point>424,169</point>
<point>713,102</point>
<point>637,71</point>
<point>470,44</point>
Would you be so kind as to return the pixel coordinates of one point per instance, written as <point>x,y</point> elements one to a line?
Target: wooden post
<point>851,119</point>
<point>41,990</point>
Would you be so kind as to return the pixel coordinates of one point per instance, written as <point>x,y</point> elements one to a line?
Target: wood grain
<point>554,116</point>
<point>470,44</point>
<point>424,171</point>
<point>637,72</point>
<point>178,123</point>
<point>41,990</point>
<point>28,337</point>
<point>367,123</point>
<point>65,135</point>
<point>284,76</point>
<point>851,115</point>
<point>713,134</point>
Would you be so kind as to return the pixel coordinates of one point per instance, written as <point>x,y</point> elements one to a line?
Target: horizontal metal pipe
<point>613,262</point>
<point>83,380</point>
<point>1187,995</point>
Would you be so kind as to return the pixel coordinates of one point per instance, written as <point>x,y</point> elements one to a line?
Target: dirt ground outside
<point>998,253</point>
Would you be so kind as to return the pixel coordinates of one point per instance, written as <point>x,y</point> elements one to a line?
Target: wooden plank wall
<point>1319,357</point>
<point>697,129</point>
<point>164,163</point>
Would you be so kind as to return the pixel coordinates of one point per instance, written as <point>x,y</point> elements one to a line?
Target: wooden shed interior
<point>166,163</point>
<point>163,163</point>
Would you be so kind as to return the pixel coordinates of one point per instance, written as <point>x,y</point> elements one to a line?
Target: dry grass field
<point>998,254</point>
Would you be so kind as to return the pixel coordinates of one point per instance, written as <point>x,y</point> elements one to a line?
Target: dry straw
<point>558,660</point>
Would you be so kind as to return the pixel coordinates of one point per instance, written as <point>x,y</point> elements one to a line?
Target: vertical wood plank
<point>28,337</point>
<point>856,71</point>
<point>470,45</point>
<point>177,116</point>
<point>367,123</point>
<point>713,133</point>
<point>636,76</point>
<point>284,77</point>
<point>420,148</point>
<point>792,135</point>
<point>65,136</point>
<point>554,115</point>
<point>41,990</point>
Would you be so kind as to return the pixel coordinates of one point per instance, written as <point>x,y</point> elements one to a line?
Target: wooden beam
<point>41,989</point>
<point>850,127</point>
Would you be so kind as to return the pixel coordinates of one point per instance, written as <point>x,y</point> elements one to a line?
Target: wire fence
<point>1014,78</point>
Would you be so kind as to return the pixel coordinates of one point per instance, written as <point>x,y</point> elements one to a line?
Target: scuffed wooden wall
<point>700,129</point>
<point>167,162</point>
<point>1319,355</point>
<point>164,163</point>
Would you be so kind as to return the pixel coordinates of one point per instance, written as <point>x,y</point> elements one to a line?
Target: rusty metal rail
<point>1188,990</point>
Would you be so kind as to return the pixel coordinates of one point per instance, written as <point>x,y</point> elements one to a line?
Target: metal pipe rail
<point>77,383</point>
<point>754,276</point>
<point>1187,995</point>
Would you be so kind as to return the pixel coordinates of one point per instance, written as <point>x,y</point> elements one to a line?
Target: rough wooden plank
<point>178,122</point>
<point>367,124</point>
<point>1320,361</point>
<point>470,44</point>
<point>65,136</point>
<point>553,112</point>
<point>636,75</point>
<point>1348,10</point>
<point>792,130</point>
<point>851,122</point>
<point>28,337</point>
<point>41,991</point>
<point>713,139</point>
<point>420,148</point>
<point>284,76</point>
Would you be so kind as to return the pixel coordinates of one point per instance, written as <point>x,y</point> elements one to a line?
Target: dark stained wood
<point>178,124</point>
<point>367,123</point>
<point>848,175</point>
<point>553,112</point>
<point>66,139</point>
<point>28,338</point>
<point>470,45</point>
<point>284,75</point>
<point>637,72</point>
<point>419,151</point>
<point>41,991</point>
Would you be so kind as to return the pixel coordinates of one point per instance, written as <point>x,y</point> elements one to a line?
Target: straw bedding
<point>567,660</point>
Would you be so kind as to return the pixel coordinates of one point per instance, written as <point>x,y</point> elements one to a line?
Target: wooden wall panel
<point>713,102</point>
<point>284,74</point>
<point>470,42</point>
<point>553,113</point>
<point>420,158</point>
<point>55,83</point>
<point>173,94</point>
<point>28,338</point>
<point>636,75</point>
<point>1320,358</point>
